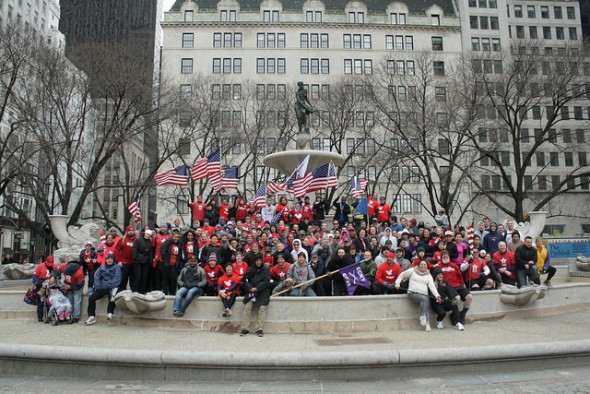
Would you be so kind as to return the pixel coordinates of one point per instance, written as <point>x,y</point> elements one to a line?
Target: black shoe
<point>260,333</point>
<point>244,333</point>
<point>40,320</point>
<point>75,320</point>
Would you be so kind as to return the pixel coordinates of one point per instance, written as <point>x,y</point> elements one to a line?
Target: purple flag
<point>353,276</point>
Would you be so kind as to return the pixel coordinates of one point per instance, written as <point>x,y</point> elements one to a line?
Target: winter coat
<point>143,251</point>
<point>107,277</point>
<point>191,277</point>
<point>258,277</point>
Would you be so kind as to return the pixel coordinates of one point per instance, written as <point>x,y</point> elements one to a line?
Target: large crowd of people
<point>239,250</point>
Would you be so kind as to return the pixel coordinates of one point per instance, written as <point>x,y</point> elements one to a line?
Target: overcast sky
<point>168,4</point>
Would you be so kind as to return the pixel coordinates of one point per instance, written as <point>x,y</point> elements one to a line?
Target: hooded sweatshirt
<point>419,282</point>
<point>192,277</point>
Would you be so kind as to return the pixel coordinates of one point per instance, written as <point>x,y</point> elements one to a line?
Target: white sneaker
<point>109,316</point>
<point>440,325</point>
<point>460,327</point>
<point>91,320</point>
<point>428,329</point>
<point>422,320</point>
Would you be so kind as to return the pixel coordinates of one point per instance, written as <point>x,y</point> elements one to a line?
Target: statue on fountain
<point>303,109</point>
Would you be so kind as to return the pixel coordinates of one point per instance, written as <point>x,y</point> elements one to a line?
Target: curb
<point>163,365</point>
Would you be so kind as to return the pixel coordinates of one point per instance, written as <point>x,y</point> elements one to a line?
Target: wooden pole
<point>305,283</point>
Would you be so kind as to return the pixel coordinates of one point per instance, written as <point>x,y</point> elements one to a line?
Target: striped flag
<point>470,234</point>
<point>273,188</point>
<point>301,185</point>
<point>298,173</point>
<point>103,236</point>
<point>214,170</point>
<point>275,219</point>
<point>323,178</point>
<point>135,208</point>
<point>230,178</point>
<point>199,169</point>
<point>358,186</point>
<point>176,176</point>
<point>260,197</point>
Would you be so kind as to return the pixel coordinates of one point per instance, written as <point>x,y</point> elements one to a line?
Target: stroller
<point>57,308</point>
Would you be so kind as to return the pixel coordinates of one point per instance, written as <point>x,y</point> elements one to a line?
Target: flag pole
<point>305,283</point>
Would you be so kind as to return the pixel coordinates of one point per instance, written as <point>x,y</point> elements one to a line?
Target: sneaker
<point>228,312</point>
<point>460,327</point>
<point>75,320</point>
<point>109,316</point>
<point>548,284</point>
<point>224,314</point>
<point>244,333</point>
<point>175,314</point>
<point>428,329</point>
<point>91,320</point>
<point>422,320</point>
<point>260,333</point>
<point>440,325</point>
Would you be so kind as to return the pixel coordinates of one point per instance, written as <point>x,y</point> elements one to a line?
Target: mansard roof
<point>373,6</point>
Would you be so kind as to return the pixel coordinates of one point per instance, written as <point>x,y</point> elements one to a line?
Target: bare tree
<point>528,138</point>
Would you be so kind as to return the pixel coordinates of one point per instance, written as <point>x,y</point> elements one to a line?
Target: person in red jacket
<point>73,275</point>
<point>224,210</point>
<point>372,205</point>
<point>89,261</point>
<point>307,210</point>
<point>124,255</point>
<point>241,209</point>
<point>453,275</point>
<point>476,273</point>
<point>42,273</point>
<point>386,275</point>
<point>240,266</point>
<point>198,209</point>
<point>228,286</point>
<point>214,272</point>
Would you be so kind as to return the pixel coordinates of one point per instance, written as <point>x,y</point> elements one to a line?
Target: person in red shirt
<point>452,274</point>
<point>241,209</point>
<point>168,268</point>
<point>476,274</point>
<point>240,266</point>
<point>108,247</point>
<point>278,273</point>
<point>504,263</point>
<point>190,247</point>
<point>386,275</point>
<point>124,255</point>
<point>372,205</point>
<point>198,209</point>
<point>228,286</point>
<point>213,272</point>
<point>284,208</point>
<point>307,209</point>
<point>383,211</point>
<point>224,210</point>
<point>207,228</point>
<point>296,214</point>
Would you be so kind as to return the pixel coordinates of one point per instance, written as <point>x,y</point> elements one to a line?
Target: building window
<point>325,66</point>
<point>228,15</point>
<point>188,40</point>
<point>270,16</point>
<point>573,32</point>
<point>518,11</point>
<point>437,43</point>
<point>189,16</point>
<point>530,9</point>
<point>440,93</point>
<point>557,12</point>
<point>186,66</point>
<point>571,13</point>
<point>435,20</point>
<point>347,66</point>
<point>397,18</point>
<point>546,33</point>
<point>260,66</point>
<point>313,16</point>
<point>438,68</point>
<point>356,17</point>
<point>304,66</point>
<point>186,92</point>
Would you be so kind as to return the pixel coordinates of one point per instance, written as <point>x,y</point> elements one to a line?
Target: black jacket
<point>258,277</point>
<point>523,255</point>
<point>143,251</point>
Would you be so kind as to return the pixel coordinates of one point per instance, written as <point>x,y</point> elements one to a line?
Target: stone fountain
<point>287,161</point>
<point>534,227</point>
<point>71,239</point>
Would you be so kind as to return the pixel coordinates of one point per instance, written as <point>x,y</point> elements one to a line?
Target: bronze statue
<point>302,108</point>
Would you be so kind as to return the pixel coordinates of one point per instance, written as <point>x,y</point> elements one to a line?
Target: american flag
<point>260,197</point>
<point>273,188</point>
<point>214,170</point>
<point>358,186</point>
<point>275,219</point>
<point>103,236</point>
<point>176,176</point>
<point>206,166</point>
<point>298,188</point>
<point>199,169</point>
<point>135,208</point>
<point>323,178</point>
<point>470,234</point>
<point>230,178</point>
<point>301,185</point>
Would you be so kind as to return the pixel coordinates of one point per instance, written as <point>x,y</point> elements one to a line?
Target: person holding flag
<point>342,211</point>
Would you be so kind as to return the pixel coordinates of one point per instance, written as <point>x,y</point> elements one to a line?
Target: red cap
<point>130,228</point>
<point>49,261</point>
<point>391,255</point>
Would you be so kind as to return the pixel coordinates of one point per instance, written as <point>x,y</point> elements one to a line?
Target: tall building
<point>244,58</point>
<point>123,25</point>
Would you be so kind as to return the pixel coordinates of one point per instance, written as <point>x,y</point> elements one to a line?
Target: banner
<point>353,277</point>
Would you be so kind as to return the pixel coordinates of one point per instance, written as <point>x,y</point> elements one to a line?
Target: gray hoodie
<point>192,277</point>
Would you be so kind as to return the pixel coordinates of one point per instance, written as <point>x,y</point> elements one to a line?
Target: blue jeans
<point>75,298</point>
<point>308,292</point>
<point>184,297</point>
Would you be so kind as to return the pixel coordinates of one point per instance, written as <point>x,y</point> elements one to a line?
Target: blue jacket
<point>107,277</point>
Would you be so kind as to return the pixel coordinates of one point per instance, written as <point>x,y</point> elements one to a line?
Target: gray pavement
<point>144,335</point>
<point>552,380</point>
